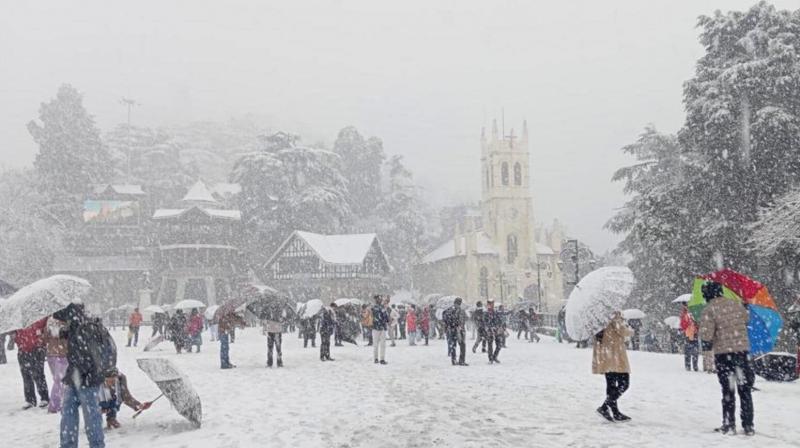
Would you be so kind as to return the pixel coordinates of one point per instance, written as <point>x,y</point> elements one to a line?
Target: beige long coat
<point>610,354</point>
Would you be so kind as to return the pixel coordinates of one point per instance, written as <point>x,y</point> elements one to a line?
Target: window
<point>504,173</point>
<point>511,242</point>
<point>517,174</point>
<point>483,283</point>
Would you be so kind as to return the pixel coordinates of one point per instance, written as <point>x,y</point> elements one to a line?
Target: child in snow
<point>113,393</point>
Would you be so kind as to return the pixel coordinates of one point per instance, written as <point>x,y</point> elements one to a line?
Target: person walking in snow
<point>522,321</point>
<point>31,354</point>
<point>57,361</point>
<point>134,322</point>
<point>90,354</point>
<point>723,329</point>
<point>533,325</point>
<point>327,326</point>
<point>308,326</point>
<point>479,317</point>
<point>393,316</point>
<point>455,320</point>
<point>178,330</point>
<point>424,324</point>
<point>275,317</point>
<point>380,323</point>
<point>691,347</point>
<point>411,325</point>
<point>227,323</point>
<point>610,358</point>
<point>401,320</point>
<point>495,331</point>
<point>366,323</point>
<point>194,330</point>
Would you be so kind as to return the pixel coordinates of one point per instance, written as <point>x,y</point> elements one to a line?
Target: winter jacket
<point>723,326</point>
<point>195,325</point>
<point>479,317</point>
<point>411,321</point>
<point>82,369</point>
<point>493,322</point>
<point>230,321</point>
<point>424,320</point>
<point>688,326</point>
<point>327,323</point>
<point>135,320</point>
<point>454,319</point>
<point>380,318</point>
<point>31,338</point>
<point>177,325</point>
<point>609,354</point>
<point>120,392</point>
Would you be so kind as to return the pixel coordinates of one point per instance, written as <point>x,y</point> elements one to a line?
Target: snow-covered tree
<point>361,166</point>
<point>742,121</point>
<point>29,234</point>
<point>71,154</point>
<point>287,187</point>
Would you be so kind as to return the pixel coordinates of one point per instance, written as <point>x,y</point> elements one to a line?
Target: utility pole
<point>575,259</point>
<point>129,103</point>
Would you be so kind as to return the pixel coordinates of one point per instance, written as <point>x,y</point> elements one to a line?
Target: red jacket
<point>135,319</point>
<point>424,320</point>
<point>688,325</point>
<point>30,338</point>
<point>411,321</point>
<point>195,325</point>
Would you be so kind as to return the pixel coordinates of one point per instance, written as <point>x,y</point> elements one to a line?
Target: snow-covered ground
<point>541,395</point>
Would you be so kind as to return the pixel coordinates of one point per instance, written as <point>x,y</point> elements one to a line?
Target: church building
<point>497,251</point>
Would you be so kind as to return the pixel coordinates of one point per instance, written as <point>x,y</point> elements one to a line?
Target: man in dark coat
<point>308,326</point>
<point>495,331</point>
<point>327,325</point>
<point>177,327</point>
<point>380,324</point>
<point>83,377</point>
<point>454,319</point>
<point>479,317</point>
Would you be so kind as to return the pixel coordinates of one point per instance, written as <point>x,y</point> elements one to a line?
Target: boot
<point>605,413</point>
<point>280,362</point>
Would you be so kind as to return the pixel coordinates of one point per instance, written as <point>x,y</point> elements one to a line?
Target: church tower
<point>506,201</point>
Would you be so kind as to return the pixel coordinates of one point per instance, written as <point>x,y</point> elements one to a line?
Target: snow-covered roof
<point>484,246</point>
<point>199,193</point>
<point>226,189</point>
<point>114,263</point>
<point>166,213</point>
<point>339,249</point>
<point>130,189</point>
<point>543,249</point>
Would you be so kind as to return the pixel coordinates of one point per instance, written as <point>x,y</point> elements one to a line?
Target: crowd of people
<point>81,354</point>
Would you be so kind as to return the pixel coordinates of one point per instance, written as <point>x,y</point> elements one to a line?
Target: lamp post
<point>539,266</point>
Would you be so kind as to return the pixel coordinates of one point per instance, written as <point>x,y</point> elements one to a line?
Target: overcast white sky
<point>424,76</point>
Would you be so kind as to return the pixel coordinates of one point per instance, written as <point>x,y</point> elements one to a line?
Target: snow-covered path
<point>542,395</point>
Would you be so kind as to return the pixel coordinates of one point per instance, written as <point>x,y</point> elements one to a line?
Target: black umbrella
<point>776,367</point>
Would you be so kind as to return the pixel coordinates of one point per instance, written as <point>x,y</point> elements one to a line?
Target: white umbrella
<point>154,309</point>
<point>312,308</point>
<point>431,299</point>
<point>595,298</point>
<point>345,302</point>
<point>446,302</point>
<point>673,322</point>
<point>402,296</point>
<point>209,314</point>
<point>125,307</point>
<point>189,304</point>
<point>633,313</point>
<point>683,298</point>
<point>40,299</point>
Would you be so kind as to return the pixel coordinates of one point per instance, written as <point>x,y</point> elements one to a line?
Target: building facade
<point>328,267</point>
<point>496,251</point>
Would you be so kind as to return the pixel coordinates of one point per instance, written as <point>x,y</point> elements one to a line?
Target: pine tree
<point>361,166</point>
<point>71,155</point>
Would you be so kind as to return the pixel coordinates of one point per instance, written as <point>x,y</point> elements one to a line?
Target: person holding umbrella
<point>610,358</point>
<point>227,323</point>
<point>113,394</point>
<point>31,355</point>
<point>327,325</point>
<point>723,329</point>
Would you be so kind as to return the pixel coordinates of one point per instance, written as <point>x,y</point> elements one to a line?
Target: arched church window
<point>504,173</point>
<point>511,243</point>
<point>483,283</point>
<point>517,174</point>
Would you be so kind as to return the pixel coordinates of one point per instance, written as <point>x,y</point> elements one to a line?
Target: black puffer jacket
<point>82,340</point>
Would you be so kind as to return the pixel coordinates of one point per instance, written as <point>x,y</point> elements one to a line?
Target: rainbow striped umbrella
<point>765,322</point>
